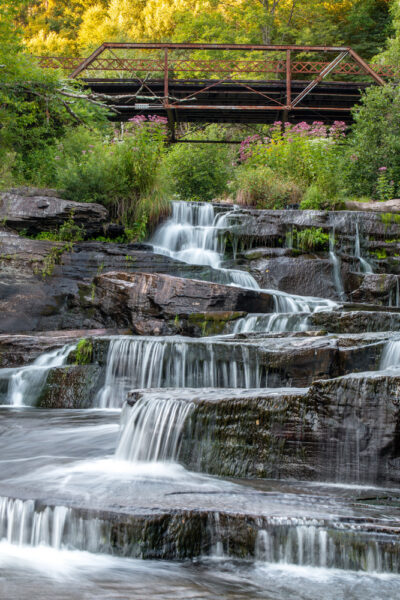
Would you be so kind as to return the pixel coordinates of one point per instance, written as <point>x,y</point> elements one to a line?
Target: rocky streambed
<point>218,396</point>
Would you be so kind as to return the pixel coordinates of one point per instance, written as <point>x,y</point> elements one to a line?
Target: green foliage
<point>375,141</point>
<point>200,171</point>
<point>380,253</point>
<point>69,231</point>
<point>126,175</point>
<point>385,186</point>
<point>36,105</point>
<point>84,352</point>
<point>310,155</point>
<point>312,238</point>
<point>263,188</point>
<point>316,198</point>
<point>390,218</point>
<point>52,259</point>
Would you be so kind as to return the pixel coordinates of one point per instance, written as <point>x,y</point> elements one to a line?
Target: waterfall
<point>390,355</point>
<point>364,265</point>
<point>274,323</point>
<point>195,234</point>
<point>23,523</point>
<point>337,278</point>
<point>310,545</point>
<point>140,362</point>
<point>151,429</point>
<point>26,383</point>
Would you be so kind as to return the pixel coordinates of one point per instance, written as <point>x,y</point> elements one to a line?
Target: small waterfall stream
<point>139,362</point>
<point>194,234</point>
<point>26,383</point>
<point>391,355</point>
<point>337,278</point>
<point>365,266</point>
<point>151,429</point>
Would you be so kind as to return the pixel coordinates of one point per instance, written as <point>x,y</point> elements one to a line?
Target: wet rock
<point>122,297</point>
<point>271,226</point>
<point>21,349</point>
<point>73,386</point>
<point>307,275</point>
<point>377,289</point>
<point>43,283</point>
<point>166,533</point>
<point>35,210</point>
<point>357,424</point>
<point>355,321</point>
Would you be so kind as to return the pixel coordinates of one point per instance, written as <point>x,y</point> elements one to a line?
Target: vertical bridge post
<point>288,80</point>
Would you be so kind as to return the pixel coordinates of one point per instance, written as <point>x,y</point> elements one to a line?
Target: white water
<point>140,362</point>
<point>337,278</point>
<point>274,323</point>
<point>365,266</point>
<point>391,355</point>
<point>308,545</point>
<point>151,429</point>
<point>194,234</point>
<point>26,383</point>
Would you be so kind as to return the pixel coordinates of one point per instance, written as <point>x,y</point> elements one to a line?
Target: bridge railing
<point>127,66</point>
<point>221,65</point>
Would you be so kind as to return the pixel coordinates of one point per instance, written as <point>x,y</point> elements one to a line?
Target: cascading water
<point>274,323</point>
<point>365,266</point>
<point>194,234</point>
<point>151,429</point>
<point>391,355</point>
<point>175,362</point>
<point>313,546</point>
<point>26,383</point>
<point>337,278</point>
<point>115,503</point>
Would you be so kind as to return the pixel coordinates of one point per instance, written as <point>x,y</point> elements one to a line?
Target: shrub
<point>375,142</point>
<point>306,154</point>
<point>69,231</point>
<point>312,238</point>
<point>125,175</point>
<point>200,171</point>
<point>316,198</point>
<point>262,188</point>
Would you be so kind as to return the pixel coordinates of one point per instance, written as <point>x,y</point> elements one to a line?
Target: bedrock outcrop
<point>342,429</point>
<point>42,282</point>
<point>121,297</point>
<point>35,210</point>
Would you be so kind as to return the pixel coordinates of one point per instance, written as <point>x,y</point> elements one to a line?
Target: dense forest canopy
<point>75,27</point>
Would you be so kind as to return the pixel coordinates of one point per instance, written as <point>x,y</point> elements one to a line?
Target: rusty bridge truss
<point>226,82</point>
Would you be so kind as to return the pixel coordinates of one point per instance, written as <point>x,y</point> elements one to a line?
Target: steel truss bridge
<point>225,83</point>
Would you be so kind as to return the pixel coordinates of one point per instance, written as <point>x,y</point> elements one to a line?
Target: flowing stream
<point>87,495</point>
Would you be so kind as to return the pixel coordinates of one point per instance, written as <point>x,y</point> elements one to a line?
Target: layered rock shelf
<point>243,387</point>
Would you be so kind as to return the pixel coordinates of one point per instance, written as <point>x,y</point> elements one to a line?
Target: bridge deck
<point>229,102</point>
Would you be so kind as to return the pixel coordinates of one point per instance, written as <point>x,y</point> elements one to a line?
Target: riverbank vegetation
<point>55,134</point>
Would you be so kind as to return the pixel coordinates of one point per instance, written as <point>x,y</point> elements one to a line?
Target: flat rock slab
<point>18,350</point>
<point>270,224</point>
<point>43,283</point>
<point>355,321</point>
<point>36,210</point>
<point>123,296</point>
<point>388,206</point>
